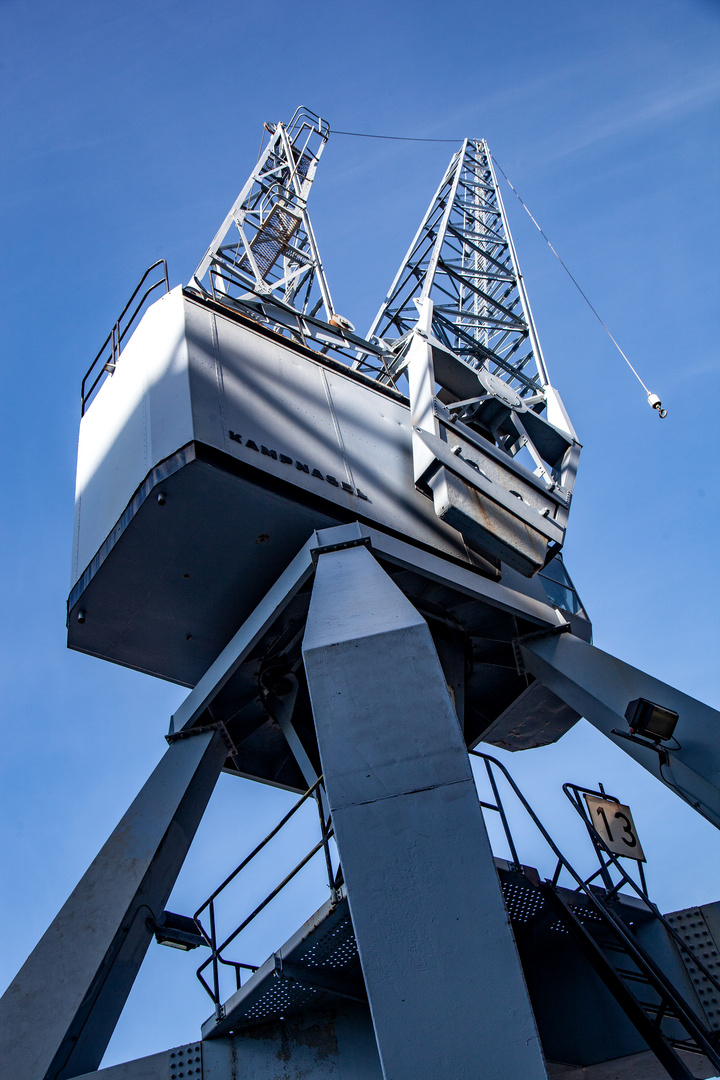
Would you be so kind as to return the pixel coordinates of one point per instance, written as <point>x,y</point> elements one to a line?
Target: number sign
<point>614,824</point>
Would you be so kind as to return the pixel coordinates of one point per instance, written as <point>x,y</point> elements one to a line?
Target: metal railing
<point>216,957</point>
<point>573,792</point>
<point>599,899</point>
<point>306,118</point>
<point>106,361</point>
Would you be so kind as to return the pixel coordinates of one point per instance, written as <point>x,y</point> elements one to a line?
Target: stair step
<point>669,1013</point>
<point>634,976</point>
<point>619,981</point>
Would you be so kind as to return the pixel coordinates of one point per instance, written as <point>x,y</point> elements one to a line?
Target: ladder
<point>593,917</point>
<point>649,1000</point>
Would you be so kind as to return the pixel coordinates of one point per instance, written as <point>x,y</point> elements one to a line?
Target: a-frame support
<point>58,1014</point>
<point>405,814</point>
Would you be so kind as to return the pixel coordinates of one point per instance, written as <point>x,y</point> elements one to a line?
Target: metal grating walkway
<point>320,964</point>
<point>317,966</point>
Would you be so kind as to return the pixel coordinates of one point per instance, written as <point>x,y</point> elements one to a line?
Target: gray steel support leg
<point>57,1016</point>
<point>444,981</point>
<point>600,687</point>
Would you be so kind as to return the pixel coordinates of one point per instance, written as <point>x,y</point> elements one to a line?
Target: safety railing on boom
<point>109,353</point>
<point>306,118</point>
<point>208,908</point>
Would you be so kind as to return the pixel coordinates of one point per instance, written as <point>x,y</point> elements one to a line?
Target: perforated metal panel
<point>693,929</point>
<point>280,998</point>
<point>332,948</point>
<point>522,900</point>
<point>336,949</point>
<point>325,951</point>
<point>185,1062</point>
<point>325,946</point>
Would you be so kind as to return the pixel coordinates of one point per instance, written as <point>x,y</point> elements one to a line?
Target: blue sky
<point>127,130</point>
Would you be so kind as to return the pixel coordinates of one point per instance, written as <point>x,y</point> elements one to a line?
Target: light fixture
<point>651,721</point>
<point>177,931</point>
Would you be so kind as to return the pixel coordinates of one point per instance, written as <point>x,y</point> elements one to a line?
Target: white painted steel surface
<point>191,374</point>
<point>141,415</point>
<point>205,462</point>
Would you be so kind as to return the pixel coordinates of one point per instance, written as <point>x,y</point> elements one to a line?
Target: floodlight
<point>653,721</point>
<point>177,931</point>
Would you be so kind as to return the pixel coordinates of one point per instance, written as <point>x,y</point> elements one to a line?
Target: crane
<point>348,550</point>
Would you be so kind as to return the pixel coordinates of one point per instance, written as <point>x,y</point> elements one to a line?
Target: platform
<point>319,966</point>
<point>317,970</point>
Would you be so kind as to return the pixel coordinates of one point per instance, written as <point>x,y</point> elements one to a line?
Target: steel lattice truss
<point>464,260</point>
<point>266,246</point>
<point>264,259</point>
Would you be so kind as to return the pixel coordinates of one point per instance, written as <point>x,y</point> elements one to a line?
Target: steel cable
<point>653,399</point>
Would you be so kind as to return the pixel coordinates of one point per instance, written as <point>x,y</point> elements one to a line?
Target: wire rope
<point>653,399</point>
<point>393,138</point>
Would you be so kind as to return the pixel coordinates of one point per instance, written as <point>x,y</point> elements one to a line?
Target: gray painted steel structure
<point>475,349</point>
<point>266,245</point>
<point>405,684</point>
<point>463,258</point>
<point>427,918</point>
<point>597,684</point>
<point>79,975</point>
<point>259,504</point>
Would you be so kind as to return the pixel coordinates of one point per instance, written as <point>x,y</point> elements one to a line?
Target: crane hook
<point>654,400</point>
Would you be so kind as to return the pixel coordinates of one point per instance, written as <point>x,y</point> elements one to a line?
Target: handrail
<point>248,858</point>
<point>583,885</point>
<point>306,117</point>
<point>627,879</point>
<point>210,934</point>
<point>116,336</point>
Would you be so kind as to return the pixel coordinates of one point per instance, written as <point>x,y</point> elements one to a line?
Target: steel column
<point>600,687</point>
<point>57,1016</point>
<point>446,990</point>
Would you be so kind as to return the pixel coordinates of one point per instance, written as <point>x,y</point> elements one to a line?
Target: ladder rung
<point>648,1017</point>
<point>669,1013</point>
<point>682,1044</point>
<point>633,976</point>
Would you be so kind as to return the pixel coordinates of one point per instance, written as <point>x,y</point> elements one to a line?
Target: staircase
<point>319,966</point>
<point>650,1001</point>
